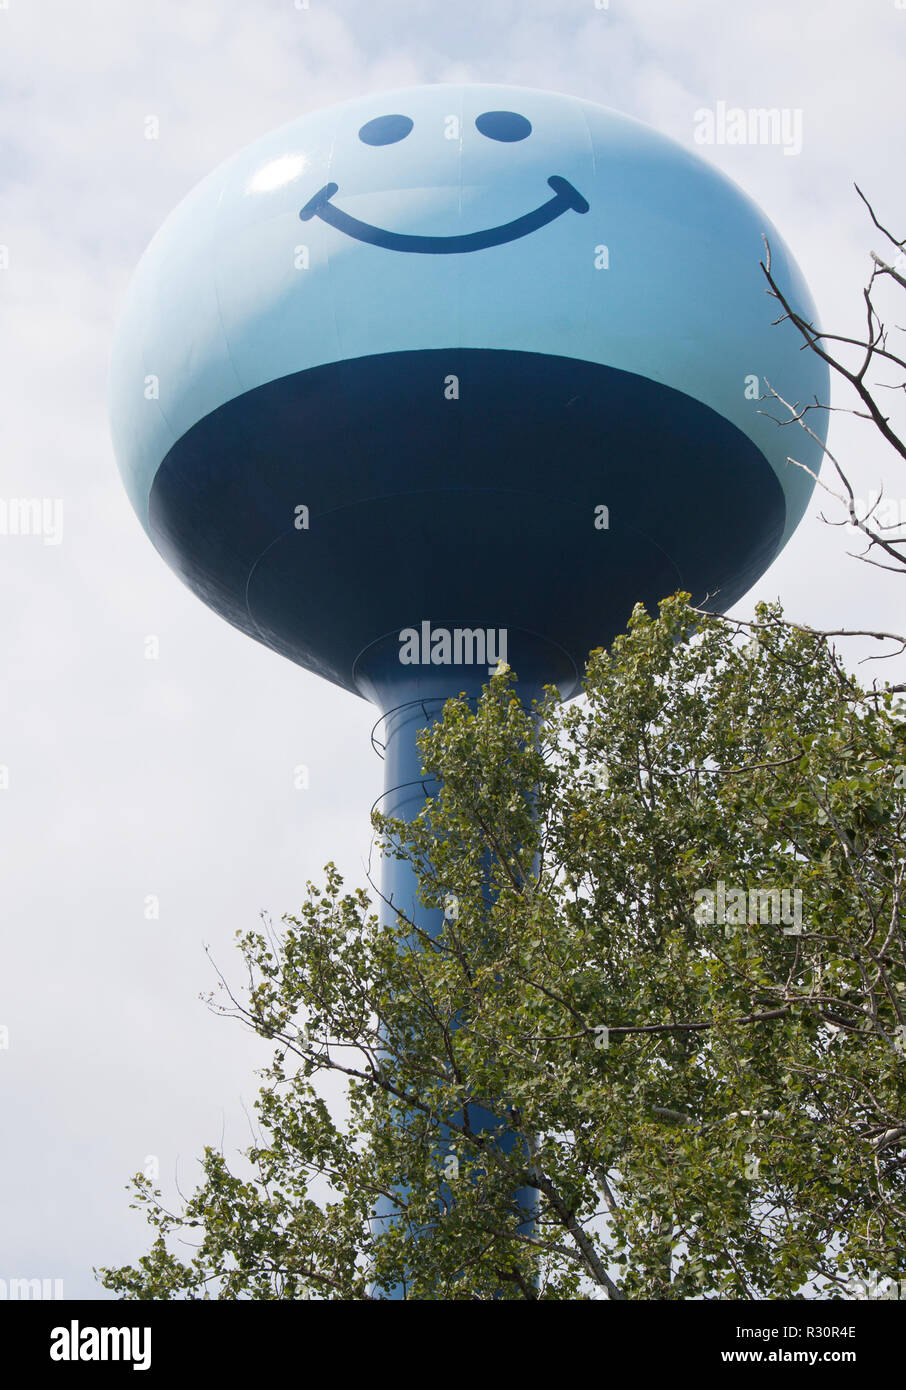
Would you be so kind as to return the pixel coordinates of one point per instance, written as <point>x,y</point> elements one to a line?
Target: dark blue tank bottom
<point>473,511</point>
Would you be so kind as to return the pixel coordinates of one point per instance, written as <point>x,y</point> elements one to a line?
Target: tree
<point>676,969</point>
<point>872,369</point>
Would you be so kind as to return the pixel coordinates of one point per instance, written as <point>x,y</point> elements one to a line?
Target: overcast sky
<point>174,777</point>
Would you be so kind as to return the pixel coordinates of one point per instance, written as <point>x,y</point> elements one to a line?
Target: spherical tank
<point>460,358</point>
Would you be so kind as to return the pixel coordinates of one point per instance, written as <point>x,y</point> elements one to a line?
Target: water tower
<point>459,373</point>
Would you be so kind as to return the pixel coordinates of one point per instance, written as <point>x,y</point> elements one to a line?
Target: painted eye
<point>503,125</point>
<point>385,130</point>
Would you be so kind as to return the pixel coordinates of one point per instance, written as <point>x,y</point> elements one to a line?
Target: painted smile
<point>565,197</point>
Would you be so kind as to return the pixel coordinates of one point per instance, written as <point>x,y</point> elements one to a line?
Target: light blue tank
<point>454,323</point>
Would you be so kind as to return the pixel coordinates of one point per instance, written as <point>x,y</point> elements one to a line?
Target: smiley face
<point>504,126</point>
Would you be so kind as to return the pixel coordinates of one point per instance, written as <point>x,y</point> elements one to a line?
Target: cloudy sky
<point>130,777</point>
